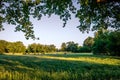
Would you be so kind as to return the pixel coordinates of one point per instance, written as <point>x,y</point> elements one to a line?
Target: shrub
<point>84,49</point>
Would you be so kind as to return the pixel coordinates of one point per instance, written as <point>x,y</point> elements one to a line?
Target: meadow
<point>59,67</point>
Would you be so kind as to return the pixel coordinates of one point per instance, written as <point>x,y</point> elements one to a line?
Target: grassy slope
<point>59,67</point>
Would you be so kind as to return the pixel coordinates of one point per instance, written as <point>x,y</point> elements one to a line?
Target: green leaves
<point>91,14</point>
<point>11,47</point>
<point>40,48</point>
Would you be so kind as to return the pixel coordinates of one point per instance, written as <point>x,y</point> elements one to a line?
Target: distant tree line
<point>19,47</point>
<point>11,47</point>
<point>105,42</point>
<point>75,48</point>
<point>40,48</point>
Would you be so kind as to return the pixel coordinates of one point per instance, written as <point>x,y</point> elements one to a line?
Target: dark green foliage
<point>69,47</point>
<point>63,47</point>
<point>75,48</point>
<point>100,42</point>
<point>99,13</point>
<point>114,43</point>
<point>100,47</point>
<point>107,43</point>
<point>102,14</point>
<point>84,49</point>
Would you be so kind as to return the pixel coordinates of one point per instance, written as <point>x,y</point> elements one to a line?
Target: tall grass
<point>59,67</point>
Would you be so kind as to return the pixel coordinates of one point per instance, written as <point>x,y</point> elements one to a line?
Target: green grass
<point>59,67</point>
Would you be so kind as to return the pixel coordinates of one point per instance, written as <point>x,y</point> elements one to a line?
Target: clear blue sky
<point>49,30</point>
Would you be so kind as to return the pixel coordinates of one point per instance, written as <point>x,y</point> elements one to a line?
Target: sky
<point>49,30</point>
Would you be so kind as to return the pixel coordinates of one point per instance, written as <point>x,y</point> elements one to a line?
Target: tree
<point>11,47</point>
<point>107,42</point>
<point>52,48</point>
<point>114,43</point>
<point>72,47</point>
<point>100,47</point>
<point>101,42</point>
<point>3,46</point>
<point>100,13</point>
<point>16,47</point>
<point>63,47</point>
<point>88,42</point>
<point>20,48</point>
<point>32,48</point>
<point>87,45</point>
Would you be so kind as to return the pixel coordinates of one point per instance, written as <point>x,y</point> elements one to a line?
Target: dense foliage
<point>107,42</point>
<point>92,14</point>
<point>39,48</point>
<point>114,43</point>
<point>75,48</point>
<point>11,47</point>
<point>84,49</point>
<point>3,47</point>
<point>19,47</point>
<point>70,47</point>
<point>87,45</point>
<point>63,47</point>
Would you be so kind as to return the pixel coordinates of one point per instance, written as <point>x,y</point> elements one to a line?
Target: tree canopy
<point>92,14</point>
<point>11,47</point>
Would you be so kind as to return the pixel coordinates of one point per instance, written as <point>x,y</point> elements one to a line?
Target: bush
<point>100,47</point>
<point>114,43</point>
<point>84,49</point>
<point>107,44</point>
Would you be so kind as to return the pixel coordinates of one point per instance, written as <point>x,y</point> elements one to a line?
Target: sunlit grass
<point>108,61</point>
<point>59,67</point>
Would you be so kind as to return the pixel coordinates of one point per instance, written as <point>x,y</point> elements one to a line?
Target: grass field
<point>59,67</point>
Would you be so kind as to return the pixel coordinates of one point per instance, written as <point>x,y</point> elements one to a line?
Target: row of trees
<point>74,47</point>
<point>11,47</point>
<point>19,47</point>
<point>39,48</point>
<point>105,42</point>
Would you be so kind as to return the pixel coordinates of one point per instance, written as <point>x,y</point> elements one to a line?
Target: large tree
<point>92,14</point>
<point>114,43</point>
<point>101,42</point>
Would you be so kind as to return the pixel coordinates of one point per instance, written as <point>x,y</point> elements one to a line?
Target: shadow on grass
<point>78,55</point>
<point>33,63</point>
